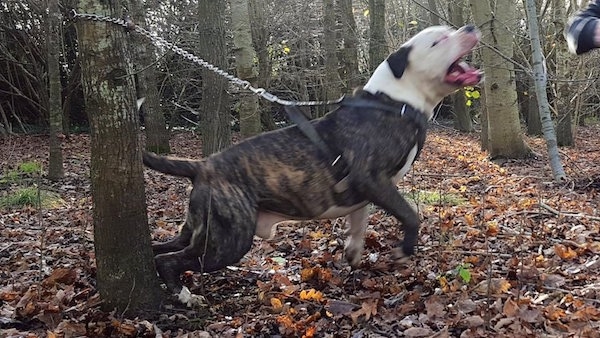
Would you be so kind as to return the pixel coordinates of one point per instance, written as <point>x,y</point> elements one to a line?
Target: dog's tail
<point>172,166</point>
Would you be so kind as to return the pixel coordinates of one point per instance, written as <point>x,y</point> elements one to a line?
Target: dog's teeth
<point>464,66</point>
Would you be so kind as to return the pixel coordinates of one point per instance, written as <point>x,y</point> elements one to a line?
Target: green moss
<point>30,167</point>
<point>28,196</point>
<point>435,198</point>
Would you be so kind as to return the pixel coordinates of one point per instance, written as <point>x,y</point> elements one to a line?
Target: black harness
<point>364,100</point>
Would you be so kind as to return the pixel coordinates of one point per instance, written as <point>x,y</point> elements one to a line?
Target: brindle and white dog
<point>374,137</point>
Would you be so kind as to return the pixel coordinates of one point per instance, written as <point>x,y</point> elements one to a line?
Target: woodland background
<point>507,249</point>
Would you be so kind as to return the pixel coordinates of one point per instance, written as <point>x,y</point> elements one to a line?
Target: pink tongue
<point>469,78</point>
<point>463,74</point>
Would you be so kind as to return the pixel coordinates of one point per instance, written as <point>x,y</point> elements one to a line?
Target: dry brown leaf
<point>338,307</point>
<point>368,309</point>
<point>474,321</point>
<point>511,308</point>
<point>61,276</point>
<point>307,274</point>
<point>492,229</point>
<point>311,294</point>
<point>552,312</point>
<point>469,220</point>
<point>310,332</point>
<point>564,252</point>
<point>415,332</point>
<point>434,308</point>
<point>276,304</point>
<point>588,313</point>
<point>496,287</point>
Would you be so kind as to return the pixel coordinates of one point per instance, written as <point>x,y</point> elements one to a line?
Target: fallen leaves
<point>564,252</point>
<point>311,295</point>
<point>489,262</point>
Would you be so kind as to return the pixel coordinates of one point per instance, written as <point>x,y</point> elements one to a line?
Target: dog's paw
<point>353,252</point>
<point>408,249</point>
<point>190,299</point>
<point>400,257</point>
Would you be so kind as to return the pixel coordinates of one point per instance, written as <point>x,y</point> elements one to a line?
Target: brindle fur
<point>282,175</point>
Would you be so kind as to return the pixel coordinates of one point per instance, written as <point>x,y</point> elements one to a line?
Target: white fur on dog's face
<point>427,67</point>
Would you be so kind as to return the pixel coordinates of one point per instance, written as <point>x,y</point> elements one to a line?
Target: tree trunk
<point>434,16</point>
<point>260,40</point>
<point>244,62</point>
<point>215,115</point>
<point>332,76</point>
<point>534,122</point>
<point>157,134</point>
<point>126,276</point>
<point>564,123</point>
<point>505,139</point>
<point>55,160</point>
<point>539,76</point>
<point>378,49</point>
<point>350,52</point>
<point>462,114</point>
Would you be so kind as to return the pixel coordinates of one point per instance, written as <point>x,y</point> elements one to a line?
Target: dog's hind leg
<point>357,221</point>
<point>178,243</point>
<point>222,223</point>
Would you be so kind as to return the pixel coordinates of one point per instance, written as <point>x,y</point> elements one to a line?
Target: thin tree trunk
<point>534,122</point>
<point>126,276</point>
<point>564,123</point>
<point>433,13</point>
<point>157,134</point>
<point>540,80</point>
<point>260,40</point>
<point>505,139</point>
<point>215,114</point>
<point>332,76</point>
<point>244,62</point>
<point>55,160</point>
<point>462,115</point>
<point>378,49</point>
<point>350,52</point>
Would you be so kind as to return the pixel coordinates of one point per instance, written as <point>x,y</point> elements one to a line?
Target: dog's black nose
<point>469,28</point>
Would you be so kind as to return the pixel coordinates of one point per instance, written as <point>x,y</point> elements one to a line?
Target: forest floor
<point>503,252</point>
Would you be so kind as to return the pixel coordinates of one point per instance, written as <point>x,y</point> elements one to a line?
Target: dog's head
<point>428,67</point>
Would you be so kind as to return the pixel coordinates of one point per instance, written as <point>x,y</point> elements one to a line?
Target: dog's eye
<point>439,40</point>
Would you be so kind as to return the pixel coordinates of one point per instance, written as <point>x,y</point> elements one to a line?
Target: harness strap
<point>298,117</point>
<point>397,108</point>
<point>394,107</point>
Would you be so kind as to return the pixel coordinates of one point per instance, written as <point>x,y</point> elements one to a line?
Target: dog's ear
<point>398,61</point>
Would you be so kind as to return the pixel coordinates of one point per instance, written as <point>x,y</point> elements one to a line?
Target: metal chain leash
<point>157,41</point>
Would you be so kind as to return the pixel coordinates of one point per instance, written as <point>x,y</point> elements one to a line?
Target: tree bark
<point>215,115</point>
<point>126,276</point>
<point>332,76</point>
<point>564,123</point>
<point>55,160</point>
<point>505,139</point>
<point>378,49</point>
<point>244,62</point>
<point>349,60</point>
<point>534,122</point>
<point>157,134</point>
<point>260,40</point>
<point>462,115</point>
<point>433,12</point>
<point>540,80</point>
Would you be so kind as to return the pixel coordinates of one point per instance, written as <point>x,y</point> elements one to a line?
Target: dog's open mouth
<point>461,73</point>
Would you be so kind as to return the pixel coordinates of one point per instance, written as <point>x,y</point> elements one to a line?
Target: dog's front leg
<point>357,221</point>
<point>384,194</point>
